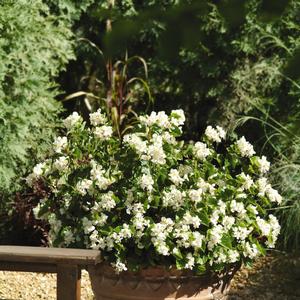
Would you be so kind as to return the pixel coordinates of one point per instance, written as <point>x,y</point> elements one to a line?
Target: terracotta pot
<point>157,284</point>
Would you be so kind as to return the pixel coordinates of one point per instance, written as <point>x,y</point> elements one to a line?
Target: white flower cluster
<point>245,148</point>
<point>173,197</point>
<point>159,233</point>
<point>151,195</point>
<point>84,186</point>
<point>215,134</point>
<point>161,119</point>
<point>60,144</point>
<point>98,174</point>
<point>201,151</point>
<point>72,120</point>
<point>103,132</point>
<point>263,164</point>
<point>98,118</point>
<point>265,189</point>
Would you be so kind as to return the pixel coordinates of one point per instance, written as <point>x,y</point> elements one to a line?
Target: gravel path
<point>36,286</point>
<point>275,277</point>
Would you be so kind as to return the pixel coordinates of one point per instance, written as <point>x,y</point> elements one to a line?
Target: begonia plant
<point>152,199</point>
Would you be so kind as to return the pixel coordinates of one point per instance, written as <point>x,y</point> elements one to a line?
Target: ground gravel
<point>36,286</point>
<point>274,277</point>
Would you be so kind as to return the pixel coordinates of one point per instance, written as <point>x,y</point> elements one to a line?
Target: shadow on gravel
<point>275,277</point>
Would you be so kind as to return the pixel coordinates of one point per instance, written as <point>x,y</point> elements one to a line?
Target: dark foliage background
<point>228,62</point>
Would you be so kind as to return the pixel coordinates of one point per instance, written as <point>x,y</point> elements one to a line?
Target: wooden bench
<point>66,263</point>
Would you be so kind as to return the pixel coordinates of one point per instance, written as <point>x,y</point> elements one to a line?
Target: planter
<point>157,284</point>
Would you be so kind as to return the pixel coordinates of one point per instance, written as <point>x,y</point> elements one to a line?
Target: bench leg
<point>68,282</point>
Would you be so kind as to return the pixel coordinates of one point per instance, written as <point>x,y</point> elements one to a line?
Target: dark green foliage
<point>199,58</point>
<point>34,48</point>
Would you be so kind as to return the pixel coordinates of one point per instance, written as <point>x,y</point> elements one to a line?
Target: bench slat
<point>49,255</point>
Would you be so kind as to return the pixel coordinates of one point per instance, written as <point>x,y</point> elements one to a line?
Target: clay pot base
<point>156,284</point>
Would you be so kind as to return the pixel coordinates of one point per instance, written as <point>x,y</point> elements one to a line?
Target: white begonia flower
<point>221,132</point>
<point>136,208</point>
<point>140,224</point>
<point>149,120</point>
<point>97,118</point>
<point>156,154</point>
<point>173,198</point>
<point>97,242</point>
<point>104,132</point>
<point>215,135</point>
<point>198,240</point>
<point>201,151</point>
<point>135,142</point>
<point>264,226</point>
<point>175,177</point>
<point>155,151</point>
<point>38,170</point>
<point>273,195</point>
<point>101,221</point>
<point>98,175</point>
<point>238,207</point>
<point>190,261</point>
<point>222,207</point>
<point>88,225</point>
<point>177,117</point>
<point>250,251</point>
<point>206,186</point>
<point>228,222</point>
<point>220,257</point>
<point>68,236</point>
<point>72,120</point>
<point>182,233</point>
<point>263,164</point>
<point>265,189</point>
<point>169,138</point>
<point>83,186</point>
<point>275,230</point>
<point>215,236</point>
<point>147,182</point>
<point>162,120</point>
<point>61,163</point>
<point>163,249</point>
<point>241,233</point>
<point>215,217</point>
<point>125,232</point>
<point>159,234</point>
<point>195,195</point>
<point>247,181</point>
<point>262,184</point>
<point>107,201</point>
<point>233,256</point>
<point>60,144</point>
<point>188,219</point>
<point>245,148</point>
<point>119,266</point>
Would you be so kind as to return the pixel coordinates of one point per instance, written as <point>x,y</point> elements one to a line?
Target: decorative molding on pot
<point>157,284</point>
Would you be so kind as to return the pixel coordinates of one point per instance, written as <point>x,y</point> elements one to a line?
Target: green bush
<point>223,72</point>
<point>34,48</point>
